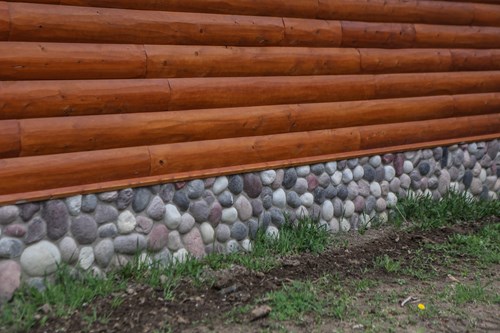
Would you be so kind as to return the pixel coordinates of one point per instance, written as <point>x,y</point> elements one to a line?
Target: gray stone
<point>232,246</point>
<point>244,208</point>
<point>156,209</point>
<point>56,217</point>
<point>220,185</point>
<point>327,210</point>
<point>438,153</point>
<point>167,192</point>
<point>74,204</point>
<point>172,216</point>
<point>126,222</point>
<point>331,167</point>
<point>40,259</point>
<point>394,185</point>
<point>10,280</point>
<point>307,199</point>
<point>370,204</point>
<point>432,184</point>
<point>265,220</point>
<point>37,230</point>
<point>352,190</point>
<point>103,252</point>
<point>336,178</point>
<point>86,257</point>
<point>15,230</point>
<point>300,186</point>
<point>444,157</point>
<point>405,181</point>
<point>476,186</point>
<point>229,215</point>
<point>391,200</point>
<point>174,242</point>
<point>105,214</point>
<point>141,199</point>
<point>69,250</point>
<point>222,233</point>
<point>493,148</point>
<point>399,161</point>
<point>467,179</point>
<point>358,172</point>
<point>293,199</point>
<point>349,208</point>
<point>319,196</point>
<point>158,238</point>
<point>225,199</point>
<point>330,192</point>
<point>235,184</point>
<point>257,207</point>
<point>351,163</point>
<point>342,192</point>
<point>267,177</point>
<point>347,176</point>
<point>239,231</point>
<point>207,233</point>
<point>28,210</point>
<point>484,195</point>
<point>215,214</point>
<point>379,174</point>
<point>338,207</point>
<point>108,196</point>
<point>369,172</point>
<point>407,167</point>
<point>324,180</point>
<point>89,203</point>
<point>486,161</point>
<point>253,227</point>
<point>381,205</point>
<point>181,200</point>
<point>290,178</point>
<point>129,244</point>
<point>107,230</point>
<point>280,174</point>
<point>200,211</point>
<point>277,217</point>
<point>187,223</point>
<point>10,248</point>
<point>303,170</point>
<point>252,185</point>
<point>318,169</point>
<point>341,165</point>
<point>364,188</point>
<point>388,158</point>
<point>453,171</point>
<point>208,197</point>
<point>375,161</point>
<point>84,229</point>
<point>279,198</point>
<point>457,158</point>
<point>8,214</point>
<point>384,186</point>
<point>390,173</point>
<point>195,189</point>
<point>424,168</point>
<point>359,204</point>
<point>376,190</point>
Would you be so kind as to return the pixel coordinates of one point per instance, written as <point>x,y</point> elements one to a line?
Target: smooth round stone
<point>156,209</point>
<point>103,252</point>
<point>363,188</point>
<point>235,184</point>
<point>307,199</point>
<point>253,227</point>
<point>314,211</point>
<point>200,211</point>
<point>359,204</point>
<point>416,185</point>
<point>399,161</point>
<point>246,244</point>
<point>330,167</point>
<point>349,208</point>
<point>352,190</point>
<point>10,279</point>
<point>432,183</point>
<point>347,176</point>
<point>108,196</point>
<point>174,240</point>
<point>56,217</point>
<point>345,225</point>
<point>181,200</point>
<point>172,216</point>
<point>84,229</point>
<point>129,244</point>
<point>195,189</point>
<point>265,220</point>
<point>267,201</point>
<point>167,192</point>
<point>334,226</point>
<point>280,175</point>
<point>15,230</point>
<point>28,210</point>
<point>486,161</point>
<point>476,186</point>
<point>272,232</point>
<point>405,181</point>
<point>438,153</point>
<point>223,233</point>
<point>220,185</point>
<point>365,220</point>
<point>341,165</point>
<point>194,243</point>
<point>392,200</point>
<point>457,158</point>
<point>358,172</point>
<point>327,210</point>
<point>467,179</point>
<point>424,168</point>
<point>279,198</point>
<point>86,257</point>
<point>336,178</point>
<point>225,199</point>
<point>389,172</point>
<point>207,233</point>
<point>126,222</point>
<point>244,208</point>
<point>187,223</point>
<point>277,217</point>
<point>257,207</point>
<point>10,248</point>
<point>370,203</point>
<point>239,231</point>
<point>368,172</point>
<point>338,207</point>
<point>318,169</point>
<point>444,182</point>
<point>482,175</point>
<point>384,186</point>
<point>416,157</point>
<point>312,182</point>
<point>468,161</point>
<point>303,171</point>
<point>232,246</point>
<point>342,192</point>
<point>381,205</point>
<point>40,259</point>
<point>301,186</point>
<point>293,199</point>
<point>383,217</point>
<point>109,230</point>
<point>105,214</point>
<point>375,161</point>
<point>376,190</point>
<point>330,192</point>
<point>379,174</point>
<point>351,163</point>
<point>476,170</point>
<point>141,200</point>
<point>490,182</point>
<point>394,186</point>
<point>453,171</point>
<point>69,250</point>
<point>229,215</point>
<point>252,185</point>
<point>388,158</point>
<point>407,167</point>
<point>74,205</point>
<point>290,178</point>
<point>267,177</point>
<point>181,256</point>
<point>493,148</point>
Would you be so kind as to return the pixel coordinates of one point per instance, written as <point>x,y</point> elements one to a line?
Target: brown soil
<point>202,308</point>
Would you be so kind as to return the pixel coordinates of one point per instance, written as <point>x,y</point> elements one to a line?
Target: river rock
<point>84,229</point>
<point>141,199</point>
<point>56,217</point>
<point>129,244</point>
<point>40,259</point>
<point>252,185</point>
<point>10,279</point>
<point>126,222</point>
<point>158,238</point>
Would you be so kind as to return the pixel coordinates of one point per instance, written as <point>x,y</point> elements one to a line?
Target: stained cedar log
<point>70,98</point>
<point>10,138</point>
<point>49,23</point>
<point>4,21</point>
<point>355,10</point>
<point>72,134</point>
<point>64,98</point>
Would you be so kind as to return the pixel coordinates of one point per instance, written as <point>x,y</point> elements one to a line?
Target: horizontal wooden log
<point>458,13</point>
<point>465,60</point>
<point>306,32</point>
<point>10,138</point>
<point>4,21</point>
<point>72,134</point>
<point>52,171</point>
<point>409,60</point>
<point>34,99</point>
<point>453,36</point>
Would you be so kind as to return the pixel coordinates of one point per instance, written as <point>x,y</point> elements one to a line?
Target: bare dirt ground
<point>224,303</point>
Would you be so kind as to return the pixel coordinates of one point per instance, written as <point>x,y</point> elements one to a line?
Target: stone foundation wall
<point>101,231</point>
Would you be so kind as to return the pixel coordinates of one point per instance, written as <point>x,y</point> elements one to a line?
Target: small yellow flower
<point>421,306</point>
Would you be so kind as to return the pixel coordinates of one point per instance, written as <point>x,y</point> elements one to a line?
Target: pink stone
<point>194,243</point>
<point>10,279</point>
<point>158,237</point>
<point>312,182</point>
<point>15,230</point>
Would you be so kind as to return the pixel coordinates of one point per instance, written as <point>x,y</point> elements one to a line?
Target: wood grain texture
<point>73,98</point>
<point>409,60</point>
<point>54,61</point>
<point>72,134</point>
<point>4,21</point>
<point>457,37</point>
<point>318,33</point>
<point>52,171</point>
<point>464,60</point>
<point>10,138</point>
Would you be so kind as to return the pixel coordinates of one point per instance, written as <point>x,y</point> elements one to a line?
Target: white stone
<point>482,175</point>
<point>375,189</point>
<point>331,167</point>
<point>303,171</point>
<point>267,177</point>
<point>180,256</point>
<point>407,167</point>
<point>108,196</point>
<point>345,226</point>
<point>347,176</point>
<point>307,199</point>
<point>348,208</point>
<point>220,185</point>
<point>86,257</point>
<point>334,225</point>
<point>391,200</point>
<point>74,204</point>
<point>232,246</point>
<point>390,173</point>
<point>492,195</point>
<point>207,233</point>
<point>172,216</point>
<point>336,177</point>
<point>327,210</point>
<point>375,161</point>
<point>383,217</point>
<point>405,181</point>
<point>477,169</point>
<point>229,215</point>
<point>246,244</point>
<point>126,222</point>
<point>40,259</point>
<point>279,198</point>
<point>358,172</point>
<point>365,220</point>
<point>301,212</point>
<point>272,232</point>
